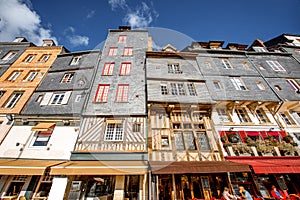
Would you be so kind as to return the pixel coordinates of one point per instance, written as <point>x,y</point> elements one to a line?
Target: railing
<point>96,146</point>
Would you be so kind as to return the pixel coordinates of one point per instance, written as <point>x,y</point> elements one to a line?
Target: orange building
<point>18,83</point>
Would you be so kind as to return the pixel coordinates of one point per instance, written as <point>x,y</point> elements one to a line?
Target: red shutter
<point>242,134</point>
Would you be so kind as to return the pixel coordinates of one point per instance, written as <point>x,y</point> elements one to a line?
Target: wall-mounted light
<point>25,121</point>
<point>20,144</point>
<point>231,129</point>
<point>66,122</point>
<point>48,147</point>
<point>9,118</point>
<point>160,116</point>
<point>271,129</point>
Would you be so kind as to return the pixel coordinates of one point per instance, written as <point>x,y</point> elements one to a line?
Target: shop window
<point>114,132</point>
<point>16,185</point>
<point>45,186</point>
<point>96,187</point>
<point>132,187</point>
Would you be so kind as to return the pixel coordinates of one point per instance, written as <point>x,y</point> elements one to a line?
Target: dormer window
<point>174,68</point>
<point>260,49</point>
<point>75,60</point>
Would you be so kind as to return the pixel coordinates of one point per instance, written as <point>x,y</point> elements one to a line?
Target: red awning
<point>270,165</point>
<point>273,133</point>
<point>252,133</point>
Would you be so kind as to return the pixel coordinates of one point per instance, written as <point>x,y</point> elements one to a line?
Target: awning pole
<point>157,189</point>
<point>174,186</point>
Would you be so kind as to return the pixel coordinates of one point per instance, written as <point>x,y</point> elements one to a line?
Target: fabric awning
<point>25,166</point>
<point>43,126</point>
<point>273,133</point>
<point>252,133</point>
<point>100,168</point>
<point>270,165</point>
<point>181,167</point>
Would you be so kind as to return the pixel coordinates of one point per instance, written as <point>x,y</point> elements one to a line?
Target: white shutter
<point>66,98</point>
<point>46,99</point>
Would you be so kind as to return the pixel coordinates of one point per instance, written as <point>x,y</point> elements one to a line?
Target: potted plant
<point>287,148</point>
<point>224,139</point>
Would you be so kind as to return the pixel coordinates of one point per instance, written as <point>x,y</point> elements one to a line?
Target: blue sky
<point>82,25</point>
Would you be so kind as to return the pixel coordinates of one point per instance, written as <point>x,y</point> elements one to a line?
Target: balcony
<point>104,146</point>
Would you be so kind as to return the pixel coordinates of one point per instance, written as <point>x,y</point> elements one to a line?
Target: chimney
<point>48,43</point>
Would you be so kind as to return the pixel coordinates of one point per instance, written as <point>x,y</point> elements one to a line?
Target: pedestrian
<point>245,194</point>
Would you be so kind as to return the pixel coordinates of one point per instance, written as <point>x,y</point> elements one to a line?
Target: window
<point>44,58</point>
<point>191,89</point>
<point>122,93</point>
<point>223,116</point>
<point>114,132</point>
<point>122,38</point>
<point>203,141</point>
<point>174,68</point>
<point>67,78</point>
<point>39,98</point>
<point>78,98</point>
<point>127,51</point>
<point>207,64</point>
<point>13,100</point>
<point>246,65</point>
<point>226,64</point>
<point>29,58</point>
<point>275,65</point>
<point>184,141</point>
<point>260,113</point>
<point>102,93</point>
<point>260,85</point>
<point>16,185</point>
<point>259,49</point>
<point>177,89</point>
<point>217,84</point>
<point>242,115</point>
<point>164,141</point>
<point>277,87</point>
<point>286,119</point>
<point>108,68</point>
<point>136,128</point>
<point>42,138</point>
<point>14,75</point>
<point>125,68</point>
<point>112,51</point>
<point>294,84</point>
<point>31,75</point>
<point>238,84</point>
<point>75,60</point>
<point>51,98</point>
<point>2,92</point>
<point>164,89</point>
<point>10,55</point>
<point>57,99</point>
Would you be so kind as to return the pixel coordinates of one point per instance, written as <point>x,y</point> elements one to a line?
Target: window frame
<point>15,75</point>
<point>57,99</point>
<point>44,58</point>
<point>293,84</point>
<point>260,85</point>
<point>114,136</point>
<point>217,84</point>
<point>29,58</point>
<point>223,115</point>
<point>276,66</point>
<point>174,68</point>
<point>31,75</point>
<point>242,115</point>
<point>177,89</point>
<point>68,77</point>
<point>112,51</point>
<point>226,63</point>
<point>122,93</point>
<point>261,116</point>
<point>13,99</point>
<point>122,38</point>
<point>127,51</point>
<point>287,119</point>
<point>164,89</point>
<point>191,89</point>
<point>238,83</point>
<point>108,69</point>
<point>125,68</point>
<point>102,90</point>
<point>75,60</point>
<point>9,55</point>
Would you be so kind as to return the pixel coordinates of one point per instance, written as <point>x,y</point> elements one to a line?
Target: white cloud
<point>75,40</point>
<point>117,3</point>
<point>139,17</point>
<point>90,14</point>
<point>18,20</point>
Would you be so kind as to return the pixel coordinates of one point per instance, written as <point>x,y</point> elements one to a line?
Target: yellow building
<point>18,83</point>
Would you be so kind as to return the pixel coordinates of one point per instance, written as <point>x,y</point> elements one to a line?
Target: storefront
<point>198,179</point>
<point>25,177</point>
<point>105,180</point>
<point>283,172</point>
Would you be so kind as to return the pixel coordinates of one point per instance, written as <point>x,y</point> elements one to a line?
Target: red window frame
<point>102,93</point>
<point>112,51</point>
<point>122,93</point>
<point>122,38</point>
<point>125,68</point>
<point>127,51</point>
<point>108,68</point>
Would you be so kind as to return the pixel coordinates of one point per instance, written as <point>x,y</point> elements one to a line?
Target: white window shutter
<point>46,99</point>
<point>66,98</point>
